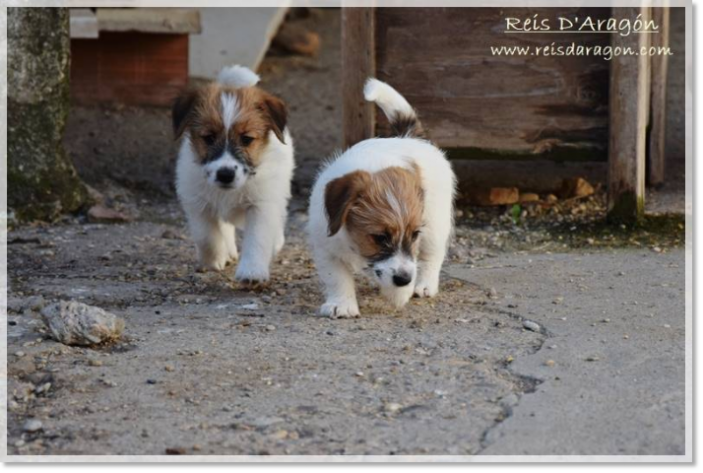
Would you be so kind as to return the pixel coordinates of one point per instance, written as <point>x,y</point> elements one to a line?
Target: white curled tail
<point>237,76</point>
<point>402,117</point>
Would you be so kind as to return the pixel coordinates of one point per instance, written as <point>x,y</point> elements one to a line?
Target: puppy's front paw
<point>212,264</point>
<point>425,288</point>
<point>340,309</point>
<point>251,274</point>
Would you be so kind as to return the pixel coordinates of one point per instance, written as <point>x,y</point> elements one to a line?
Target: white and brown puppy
<point>235,166</point>
<point>384,208</point>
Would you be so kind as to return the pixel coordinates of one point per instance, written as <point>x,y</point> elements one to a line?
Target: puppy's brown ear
<point>277,113</point>
<point>340,194</point>
<point>182,111</point>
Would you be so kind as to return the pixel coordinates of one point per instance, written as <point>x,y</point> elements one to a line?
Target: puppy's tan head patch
<point>220,118</point>
<point>382,212</point>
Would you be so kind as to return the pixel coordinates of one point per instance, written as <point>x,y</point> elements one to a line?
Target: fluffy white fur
<point>257,204</point>
<point>336,258</point>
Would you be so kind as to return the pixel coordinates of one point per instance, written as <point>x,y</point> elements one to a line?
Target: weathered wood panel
<point>130,68</point>
<point>629,111</point>
<point>441,60</point>
<point>358,63</point>
<point>660,65</point>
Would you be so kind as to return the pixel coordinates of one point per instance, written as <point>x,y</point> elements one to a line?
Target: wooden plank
<point>629,111</point>
<point>149,20</point>
<point>441,59</point>
<point>84,23</point>
<point>358,63</point>
<point>129,68</point>
<point>657,134</point>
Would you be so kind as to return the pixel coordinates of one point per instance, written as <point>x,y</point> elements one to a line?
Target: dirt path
<point>210,367</point>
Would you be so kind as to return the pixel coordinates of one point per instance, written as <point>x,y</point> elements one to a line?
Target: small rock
<point>35,303</point>
<point>270,328</point>
<point>392,407</point>
<point>94,362</point>
<point>32,425</point>
<point>279,434</point>
<point>175,451</point>
<point>492,293</point>
<point>551,198</point>
<point>171,235</point>
<point>529,197</point>
<point>75,323</point>
<point>169,368</point>
<point>530,325</point>
<point>19,354</point>
<point>592,358</point>
<point>42,388</point>
<point>576,187</point>
<point>549,363</point>
<point>100,213</point>
<point>494,196</point>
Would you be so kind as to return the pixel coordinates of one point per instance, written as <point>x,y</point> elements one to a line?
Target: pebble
<point>93,362</point>
<point>169,368</point>
<point>392,407</point>
<point>530,325</point>
<point>592,358</point>
<point>32,425</point>
<point>19,354</point>
<point>605,321</point>
<point>270,328</point>
<point>549,363</point>
<point>279,434</point>
<point>492,293</point>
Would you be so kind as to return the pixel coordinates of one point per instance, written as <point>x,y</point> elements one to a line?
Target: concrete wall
<point>232,36</point>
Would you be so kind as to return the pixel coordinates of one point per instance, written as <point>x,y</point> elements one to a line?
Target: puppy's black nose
<point>401,279</point>
<point>225,175</point>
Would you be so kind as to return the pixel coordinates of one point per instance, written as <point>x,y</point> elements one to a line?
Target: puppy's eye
<point>246,140</point>
<point>415,235</point>
<point>209,138</point>
<point>382,239</point>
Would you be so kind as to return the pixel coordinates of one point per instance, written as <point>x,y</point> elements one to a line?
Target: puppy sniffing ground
<point>383,208</point>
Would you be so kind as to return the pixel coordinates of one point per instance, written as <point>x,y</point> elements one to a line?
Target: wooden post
<point>358,63</point>
<point>657,131</point>
<point>629,111</point>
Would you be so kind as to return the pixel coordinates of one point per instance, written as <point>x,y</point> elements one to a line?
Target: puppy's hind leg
<point>433,249</point>
<point>207,233</point>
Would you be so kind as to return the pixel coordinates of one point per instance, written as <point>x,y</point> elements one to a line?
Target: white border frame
<point>687,457</point>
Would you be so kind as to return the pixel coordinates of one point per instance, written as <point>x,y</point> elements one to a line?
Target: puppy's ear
<point>340,194</point>
<point>182,111</point>
<point>277,113</point>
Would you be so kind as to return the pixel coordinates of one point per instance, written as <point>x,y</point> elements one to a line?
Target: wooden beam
<point>358,63</point>
<point>629,111</point>
<point>657,134</point>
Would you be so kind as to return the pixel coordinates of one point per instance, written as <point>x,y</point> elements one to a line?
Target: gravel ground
<point>210,367</point>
